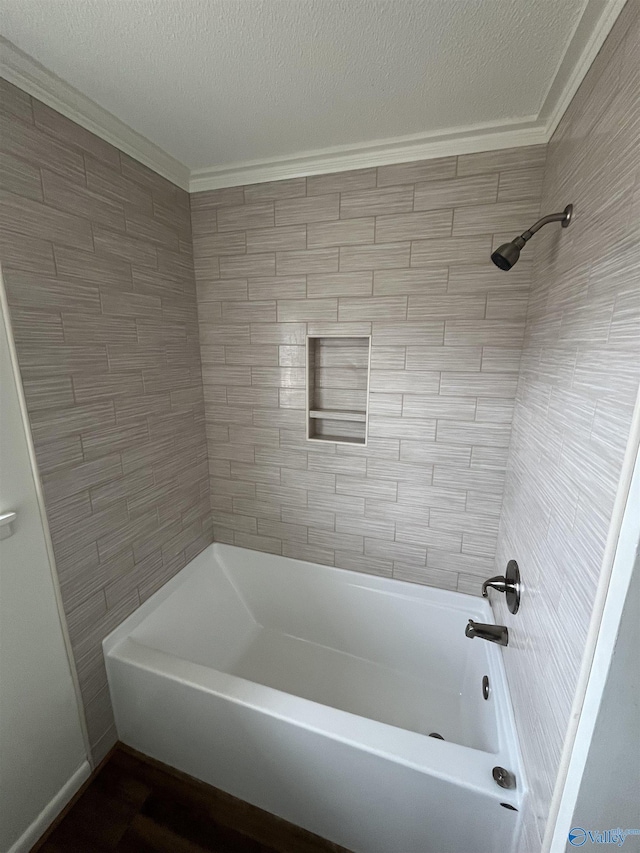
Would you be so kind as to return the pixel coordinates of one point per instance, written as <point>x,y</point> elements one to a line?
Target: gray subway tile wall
<point>96,258</point>
<point>578,385</point>
<point>400,253</point>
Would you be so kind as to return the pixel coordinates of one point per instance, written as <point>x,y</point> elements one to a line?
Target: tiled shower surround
<point>96,256</point>
<point>400,253</point>
<point>578,385</point>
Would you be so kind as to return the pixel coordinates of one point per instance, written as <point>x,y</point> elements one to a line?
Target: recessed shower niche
<point>338,388</point>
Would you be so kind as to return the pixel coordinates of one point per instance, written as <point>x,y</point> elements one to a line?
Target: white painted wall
<point>610,791</point>
<point>43,759</point>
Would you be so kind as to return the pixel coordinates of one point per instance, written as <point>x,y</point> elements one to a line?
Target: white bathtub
<point>311,691</point>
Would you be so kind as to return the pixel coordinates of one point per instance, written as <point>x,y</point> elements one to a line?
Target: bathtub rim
<point>459,601</point>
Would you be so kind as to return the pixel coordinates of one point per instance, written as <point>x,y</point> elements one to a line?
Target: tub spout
<point>494,633</point>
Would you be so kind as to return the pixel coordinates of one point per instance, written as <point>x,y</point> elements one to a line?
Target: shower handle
<point>509,584</point>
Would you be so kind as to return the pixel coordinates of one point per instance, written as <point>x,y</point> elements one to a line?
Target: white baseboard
<point>51,811</point>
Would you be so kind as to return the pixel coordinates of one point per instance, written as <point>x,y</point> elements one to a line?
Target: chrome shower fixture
<point>507,255</point>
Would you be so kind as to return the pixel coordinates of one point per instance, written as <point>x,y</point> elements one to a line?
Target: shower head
<point>507,255</point>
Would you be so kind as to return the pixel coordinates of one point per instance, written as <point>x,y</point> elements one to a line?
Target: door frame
<point>5,317</point>
<point>621,549</point>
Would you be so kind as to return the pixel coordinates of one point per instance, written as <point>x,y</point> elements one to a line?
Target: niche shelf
<point>338,388</point>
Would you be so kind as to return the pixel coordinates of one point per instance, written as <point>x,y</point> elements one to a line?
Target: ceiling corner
<point>591,31</point>
<point>23,71</point>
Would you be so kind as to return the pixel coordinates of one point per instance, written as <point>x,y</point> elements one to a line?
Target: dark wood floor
<point>136,805</point>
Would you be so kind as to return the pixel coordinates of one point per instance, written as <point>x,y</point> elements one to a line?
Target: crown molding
<point>23,71</point>
<point>468,140</point>
<point>589,35</point>
<point>590,32</point>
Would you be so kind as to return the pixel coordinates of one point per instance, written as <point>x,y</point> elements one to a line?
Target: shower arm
<point>564,217</point>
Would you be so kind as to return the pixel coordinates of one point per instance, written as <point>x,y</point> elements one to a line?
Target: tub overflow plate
<point>504,778</point>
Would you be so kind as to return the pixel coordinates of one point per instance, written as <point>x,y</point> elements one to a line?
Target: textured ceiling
<point>222,81</point>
